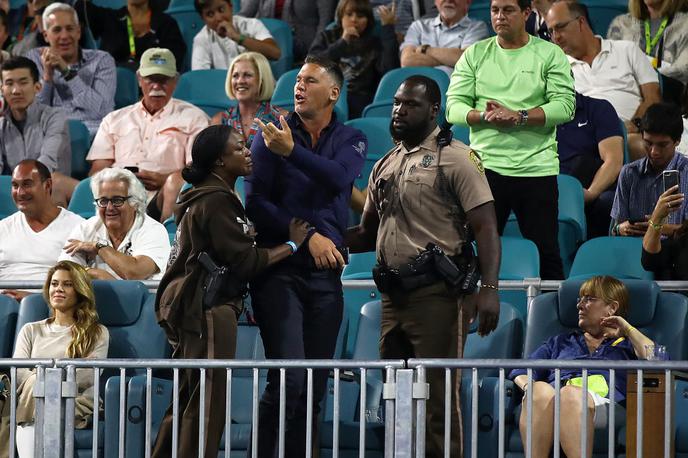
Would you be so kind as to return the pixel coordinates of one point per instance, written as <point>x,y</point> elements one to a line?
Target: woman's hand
<point>615,327</point>
<point>388,14</point>
<point>298,230</point>
<point>669,201</point>
<point>349,34</point>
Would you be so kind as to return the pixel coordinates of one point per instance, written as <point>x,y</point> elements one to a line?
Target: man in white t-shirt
<point>225,36</point>
<point>613,70</point>
<point>32,238</point>
<point>120,241</point>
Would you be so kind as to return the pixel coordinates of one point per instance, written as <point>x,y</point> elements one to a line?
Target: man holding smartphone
<point>642,182</point>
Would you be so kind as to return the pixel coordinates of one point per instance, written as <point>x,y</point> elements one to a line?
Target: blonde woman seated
<point>71,331</point>
<point>604,334</point>
<point>251,84</point>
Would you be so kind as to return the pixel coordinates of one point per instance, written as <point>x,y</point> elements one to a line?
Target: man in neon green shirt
<point>512,90</point>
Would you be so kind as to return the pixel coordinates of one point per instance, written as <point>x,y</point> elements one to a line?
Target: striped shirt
<point>639,188</point>
<point>88,96</point>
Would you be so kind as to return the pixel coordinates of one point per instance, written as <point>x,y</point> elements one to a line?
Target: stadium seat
<point>190,23</point>
<point>461,133</point>
<point>354,299</point>
<point>7,206</point>
<point>626,152</point>
<point>9,309</point>
<point>205,89</point>
<point>390,82</point>
<point>480,11</point>
<point>283,96</point>
<point>360,266</point>
<point>82,200</point>
<point>376,131</point>
<point>126,308</point>
<point>114,4</point>
<point>281,32</point>
<point>171,227</point>
<point>602,13</point>
<point>520,259</point>
<point>127,91</point>
<point>80,140</point>
<point>617,256</point>
<point>572,223</point>
<point>659,315</point>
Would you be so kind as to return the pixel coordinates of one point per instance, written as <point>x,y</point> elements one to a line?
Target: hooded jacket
<point>210,218</point>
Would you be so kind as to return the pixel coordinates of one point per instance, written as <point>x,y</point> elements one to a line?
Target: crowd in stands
<point>611,111</point>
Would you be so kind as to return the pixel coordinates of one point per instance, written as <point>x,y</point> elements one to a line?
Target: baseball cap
<point>158,61</point>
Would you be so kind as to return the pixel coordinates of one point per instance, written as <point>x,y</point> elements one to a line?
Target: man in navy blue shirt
<point>591,149</point>
<point>304,168</point>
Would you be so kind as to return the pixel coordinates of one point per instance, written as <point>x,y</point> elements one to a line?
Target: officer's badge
<point>427,160</point>
<point>476,161</point>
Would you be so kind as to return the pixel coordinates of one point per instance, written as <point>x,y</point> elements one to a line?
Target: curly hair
<point>86,329</point>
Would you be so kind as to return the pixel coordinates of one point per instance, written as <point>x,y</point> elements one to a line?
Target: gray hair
<point>134,186</point>
<point>54,7</point>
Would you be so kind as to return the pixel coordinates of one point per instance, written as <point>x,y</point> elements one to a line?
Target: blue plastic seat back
<point>480,11</point>
<point>127,91</point>
<point>82,199</point>
<point>9,309</point>
<point>505,342</point>
<point>80,141</point>
<point>360,266</point>
<point>617,256</point>
<point>205,89</point>
<point>520,259</point>
<point>376,131</point>
<point>626,151</point>
<point>281,32</point>
<point>190,23</point>
<point>461,134</point>
<point>390,82</point>
<point>7,206</point>
<point>354,299</point>
<point>602,13</point>
<point>283,95</point>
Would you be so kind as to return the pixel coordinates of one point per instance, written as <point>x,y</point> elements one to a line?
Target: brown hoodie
<point>210,218</point>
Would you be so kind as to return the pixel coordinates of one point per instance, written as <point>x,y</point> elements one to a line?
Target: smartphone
<point>670,178</point>
<point>132,169</point>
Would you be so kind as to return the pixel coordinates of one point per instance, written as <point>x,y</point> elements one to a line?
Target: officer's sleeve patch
<point>360,148</point>
<point>476,161</point>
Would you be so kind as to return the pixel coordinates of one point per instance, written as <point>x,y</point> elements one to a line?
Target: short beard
<point>410,136</point>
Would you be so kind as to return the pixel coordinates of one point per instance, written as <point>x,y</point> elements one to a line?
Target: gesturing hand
<point>74,246</point>
<point>615,327</point>
<point>279,141</point>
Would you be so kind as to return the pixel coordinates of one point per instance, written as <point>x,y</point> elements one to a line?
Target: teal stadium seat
<point>572,224</point>
<point>626,152</point>
<point>205,89</point>
<point>616,256</point>
<point>7,206</point>
<point>390,82</point>
<point>281,32</point>
<point>9,309</point>
<point>360,266</point>
<point>520,259</point>
<point>127,91</point>
<point>603,12</point>
<point>480,11</point>
<point>283,96</point>
<point>659,315</point>
<point>380,143</point>
<point>126,308</point>
<point>190,23</point>
<point>461,133</point>
<point>114,4</point>
<point>82,200</point>
<point>80,140</point>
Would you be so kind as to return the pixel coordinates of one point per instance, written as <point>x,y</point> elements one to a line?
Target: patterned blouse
<point>266,113</point>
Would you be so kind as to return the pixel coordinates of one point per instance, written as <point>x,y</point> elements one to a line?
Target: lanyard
<point>130,32</point>
<point>651,42</point>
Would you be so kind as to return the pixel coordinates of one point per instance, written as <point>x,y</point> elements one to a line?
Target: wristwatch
<point>100,245</point>
<point>68,74</point>
<point>523,118</point>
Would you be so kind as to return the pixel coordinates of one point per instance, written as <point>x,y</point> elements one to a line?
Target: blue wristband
<point>293,246</point>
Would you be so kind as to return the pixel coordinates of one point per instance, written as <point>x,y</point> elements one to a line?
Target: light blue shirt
<point>433,32</point>
<point>639,188</point>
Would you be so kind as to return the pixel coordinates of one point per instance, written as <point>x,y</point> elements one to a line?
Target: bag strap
<point>456,211</point>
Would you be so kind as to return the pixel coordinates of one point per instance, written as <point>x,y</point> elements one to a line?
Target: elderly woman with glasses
<point>120,241</point>
<point>603,334</point>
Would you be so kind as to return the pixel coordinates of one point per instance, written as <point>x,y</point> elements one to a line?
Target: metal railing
<point>404,395</point>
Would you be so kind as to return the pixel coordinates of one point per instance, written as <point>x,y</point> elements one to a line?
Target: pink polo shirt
<point>161,143</point>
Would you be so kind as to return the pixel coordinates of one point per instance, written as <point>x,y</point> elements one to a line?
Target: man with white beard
<point>153,137</point>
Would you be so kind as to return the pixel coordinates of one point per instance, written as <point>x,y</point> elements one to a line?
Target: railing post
<point>53,425</point>
<point>533,289</point>
<point>404,414</point>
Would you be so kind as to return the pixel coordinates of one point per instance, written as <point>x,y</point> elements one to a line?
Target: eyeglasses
<point>559,27</point>
<point>586,299</point>
<point>116,201</point>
